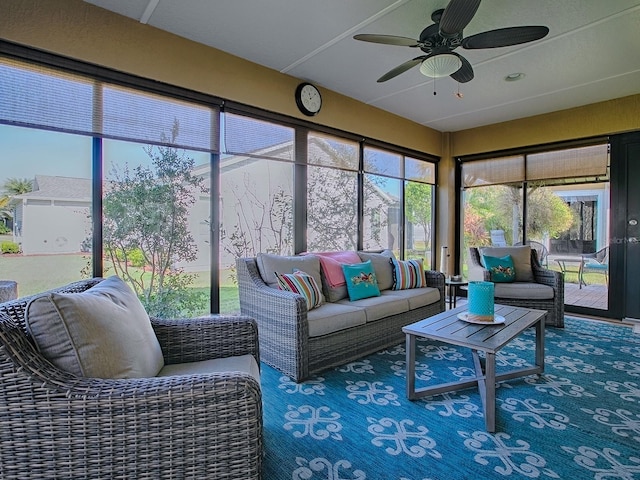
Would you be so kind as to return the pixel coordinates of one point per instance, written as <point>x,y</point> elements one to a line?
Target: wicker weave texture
<point>554,306</point>
<point>58,426</point>
<point>284,328</point>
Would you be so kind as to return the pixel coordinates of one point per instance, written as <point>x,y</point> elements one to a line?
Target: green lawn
<point>37,273</point>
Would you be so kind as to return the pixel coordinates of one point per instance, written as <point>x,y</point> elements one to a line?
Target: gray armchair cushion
<point>521,256</point>
<point>523,290</point>
<point>103,332</point>
<point>240,363</point>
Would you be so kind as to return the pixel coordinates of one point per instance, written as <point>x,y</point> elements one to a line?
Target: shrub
<point>4,229</point>
<point>9,247</point>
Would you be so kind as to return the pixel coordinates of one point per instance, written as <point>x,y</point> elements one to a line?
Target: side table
<point>452,290</point>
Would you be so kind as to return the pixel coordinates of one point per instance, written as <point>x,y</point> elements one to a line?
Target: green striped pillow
<point>408,274</point>
<point>303,284</point>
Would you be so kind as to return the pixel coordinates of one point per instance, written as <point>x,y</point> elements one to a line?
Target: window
<point>332,193</point>
<point>45,207</point>
<point>556,200</point>
<point>105,173</point>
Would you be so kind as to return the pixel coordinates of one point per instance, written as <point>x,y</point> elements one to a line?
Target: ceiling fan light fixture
<point>441,65</point>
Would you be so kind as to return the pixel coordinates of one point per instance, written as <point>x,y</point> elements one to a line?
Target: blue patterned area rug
<point>579,420</point>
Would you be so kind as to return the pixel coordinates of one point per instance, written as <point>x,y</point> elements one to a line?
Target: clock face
<point>308,99</point>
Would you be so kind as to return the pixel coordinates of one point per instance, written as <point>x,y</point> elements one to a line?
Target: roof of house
<point>59,188</point>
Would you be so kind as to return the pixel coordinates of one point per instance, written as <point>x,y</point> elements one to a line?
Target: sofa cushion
<point>408,274</point>
<point>269,264</point>
<point>331,317</point>
<point>382,265</point>
<point>377,308</point>
<point>500,268</point>
<point>103,332</point>
<point>523,290</point>
<point>240,363</point>
<point>521,256</point>
<point>303,284</point>
<point>334,284</point>
<point>361,280</point>
<point>417,297</point>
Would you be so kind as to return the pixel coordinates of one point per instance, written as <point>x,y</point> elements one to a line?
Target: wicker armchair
<point>57,425</point>
<point>544,276</point>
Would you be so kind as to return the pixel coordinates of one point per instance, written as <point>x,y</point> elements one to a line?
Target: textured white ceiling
<point>592,52</point>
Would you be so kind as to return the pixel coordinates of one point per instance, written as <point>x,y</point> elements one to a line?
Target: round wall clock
<point>308,99</point>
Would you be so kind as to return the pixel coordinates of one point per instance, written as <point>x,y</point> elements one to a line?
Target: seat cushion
<point>103,332</point>
<point>376,308</point>
<point>417,297</point>
<point>521,256</point>
<point>331,317</point>
<point>240,363</point>
<point>523,290</point>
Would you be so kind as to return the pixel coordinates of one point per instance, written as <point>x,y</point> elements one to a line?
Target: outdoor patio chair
<point>55,424</point>
<point>595,262</point>
<point>534,287</point>
<point>497,238</point>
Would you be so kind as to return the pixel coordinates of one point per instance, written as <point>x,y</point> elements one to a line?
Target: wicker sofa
<point>58,425</point>
<point>543,290</point>
<point>290,340</point>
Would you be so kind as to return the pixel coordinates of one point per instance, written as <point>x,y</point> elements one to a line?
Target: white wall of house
<point>50,227</point>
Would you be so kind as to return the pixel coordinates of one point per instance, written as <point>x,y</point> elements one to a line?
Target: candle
<point>444,261</point>
<point>481,301</point>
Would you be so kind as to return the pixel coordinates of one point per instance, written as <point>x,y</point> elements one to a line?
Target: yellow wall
<point>604,118</point>
<point>79,30</point>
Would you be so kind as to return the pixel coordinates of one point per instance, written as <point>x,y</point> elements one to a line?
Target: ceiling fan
<point>439,40</point>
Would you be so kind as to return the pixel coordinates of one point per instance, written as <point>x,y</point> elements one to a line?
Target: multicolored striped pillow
<point>303,284</point>
<point>408,274</point>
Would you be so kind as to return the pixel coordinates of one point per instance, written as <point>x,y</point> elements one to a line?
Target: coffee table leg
<point>490,385</point>
<point>411,366</point>
<point>540,326</point>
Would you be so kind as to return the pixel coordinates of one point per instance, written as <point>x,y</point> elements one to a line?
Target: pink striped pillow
<point>408,274</point>
<point>303,284</point>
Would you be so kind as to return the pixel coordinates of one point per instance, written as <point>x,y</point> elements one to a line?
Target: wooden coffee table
<point>446,327</point>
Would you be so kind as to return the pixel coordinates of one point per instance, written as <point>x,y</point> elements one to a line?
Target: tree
<point>145,229</point>
<point>498,206</point>
<point>418,210</point>
<point>10,188</point>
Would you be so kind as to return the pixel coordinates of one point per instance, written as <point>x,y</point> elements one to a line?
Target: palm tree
<point>10,188</point>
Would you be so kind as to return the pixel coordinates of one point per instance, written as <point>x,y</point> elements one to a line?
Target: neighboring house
<point>251,186</point>
<point>55,217</point>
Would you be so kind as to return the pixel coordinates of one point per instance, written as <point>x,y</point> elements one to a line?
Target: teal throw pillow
<point>361,280</point>
<point>501,268</point>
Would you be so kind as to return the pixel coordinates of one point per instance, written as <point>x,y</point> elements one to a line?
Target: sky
<point>26,152</point>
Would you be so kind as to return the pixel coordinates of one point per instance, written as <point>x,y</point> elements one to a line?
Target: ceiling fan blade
<point>457,15</point>
<point>401,69</point>
<point>465,73</point>
<point>388,40</point>
<point>504,37</point>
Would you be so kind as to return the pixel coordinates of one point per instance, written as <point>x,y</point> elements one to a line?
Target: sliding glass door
<point>557,201</point>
